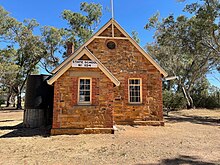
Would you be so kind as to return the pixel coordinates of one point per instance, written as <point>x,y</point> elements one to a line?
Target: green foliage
<point>17,64</point>
<point>209,102</point>
<point>8,68</point>
<point>188,47</point>
<point>7,23</point>
<point>1,101</point>
<point>29,52</point>
<point>25,51</point>
<point>173,100</point>
<point>53,40</point>
<point>134,35</point>
<point>153,21</point>
<point>81,26</point>
<point>207,97</point>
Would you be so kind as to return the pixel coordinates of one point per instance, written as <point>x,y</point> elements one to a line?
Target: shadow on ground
<point>3,121</point>
<point>183,159</point>
<point>193,119</point>
<point>20,131</point>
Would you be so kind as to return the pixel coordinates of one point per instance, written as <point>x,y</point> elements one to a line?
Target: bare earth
<point>188,137</point>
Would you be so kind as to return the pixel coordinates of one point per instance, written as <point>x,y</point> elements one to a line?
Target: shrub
<point>209,102</point>
<point>173,100</point>
<point>1,101</point>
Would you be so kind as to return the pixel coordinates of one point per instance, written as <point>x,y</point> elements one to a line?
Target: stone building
<point>109,80</point>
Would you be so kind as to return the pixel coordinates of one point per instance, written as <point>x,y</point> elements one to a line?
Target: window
<point>111,45</point>
<point>84,96</point>
<point>134,87</point>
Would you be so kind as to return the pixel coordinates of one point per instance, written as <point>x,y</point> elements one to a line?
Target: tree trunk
<point>8,100</point>
<point>19,101</point>
<point>17,90</point>
<point>18,95</point>
<point>13,100</point>
<point>189,100</point>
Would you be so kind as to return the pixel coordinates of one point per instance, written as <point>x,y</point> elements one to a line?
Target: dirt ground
<point>188,137</point>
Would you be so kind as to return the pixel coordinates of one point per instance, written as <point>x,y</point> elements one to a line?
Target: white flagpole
<point>112,6</point>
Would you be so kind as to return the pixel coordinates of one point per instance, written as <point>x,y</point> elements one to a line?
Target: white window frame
<point>129,101</point>
<point>84,102</point>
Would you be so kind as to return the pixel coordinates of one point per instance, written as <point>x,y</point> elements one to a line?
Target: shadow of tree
<point>2,121</point>
<point>182,159</point>
<point>193,119</point>
<point>20,131</point>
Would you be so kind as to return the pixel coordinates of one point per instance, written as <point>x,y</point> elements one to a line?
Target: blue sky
<point>130,14</point>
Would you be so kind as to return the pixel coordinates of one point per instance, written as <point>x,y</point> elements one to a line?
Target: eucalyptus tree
<point>134,35</point>
<point>9,71</point>
<point>82,25</point>
<point>28,50</point>
<point>31,51</point>
<point>6,25</point>
<point>53,40</point>
<point>188,47</point>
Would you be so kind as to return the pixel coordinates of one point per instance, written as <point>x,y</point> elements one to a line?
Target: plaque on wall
<point>84,64</point>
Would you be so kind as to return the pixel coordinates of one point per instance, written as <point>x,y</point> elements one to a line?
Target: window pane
<point>87,86</point>
<point>137,93</point>
<point>81,98</point>
<point>134,90</point>
<point>82,87</point>
<point>134,81</point>
<point>87,81</point>
<point>132,99</point>
<point>137,99</point>
<point>87,98</point>
<point>87,92</point>
<point>84,90</point>
<point>131,88</point>
<point>137,81</point>
<point>81,81</point>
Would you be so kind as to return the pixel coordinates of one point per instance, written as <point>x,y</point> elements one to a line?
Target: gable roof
<point>127,36</point>
<point>70,57</point>
<point>83,52</point>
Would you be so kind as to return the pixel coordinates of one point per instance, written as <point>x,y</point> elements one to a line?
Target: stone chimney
<point>69,48</point>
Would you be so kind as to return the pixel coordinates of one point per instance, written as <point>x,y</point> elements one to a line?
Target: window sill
<point>81,104</point>
<point>135,104</point>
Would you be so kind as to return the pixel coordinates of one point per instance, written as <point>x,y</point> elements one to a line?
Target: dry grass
<point>189,137</point>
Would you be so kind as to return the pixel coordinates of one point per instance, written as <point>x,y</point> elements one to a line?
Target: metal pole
<point>112,6</point>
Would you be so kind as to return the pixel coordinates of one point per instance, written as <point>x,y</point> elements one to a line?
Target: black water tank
<point>39,95</point>
<point>38,101</point>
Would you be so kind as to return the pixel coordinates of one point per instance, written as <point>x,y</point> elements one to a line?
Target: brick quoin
<point>74,90</point>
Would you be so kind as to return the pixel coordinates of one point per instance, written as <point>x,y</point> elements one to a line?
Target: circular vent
<point>111,45</point>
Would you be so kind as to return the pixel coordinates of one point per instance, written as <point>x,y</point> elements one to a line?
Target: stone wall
<point>127,62</point>
<point>109,103</point>
<point>70,118</point>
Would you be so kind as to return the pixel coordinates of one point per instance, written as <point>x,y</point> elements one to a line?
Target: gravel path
<point>188,137</point>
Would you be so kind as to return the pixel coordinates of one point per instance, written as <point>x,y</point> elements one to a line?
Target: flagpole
<point>112,6</point>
